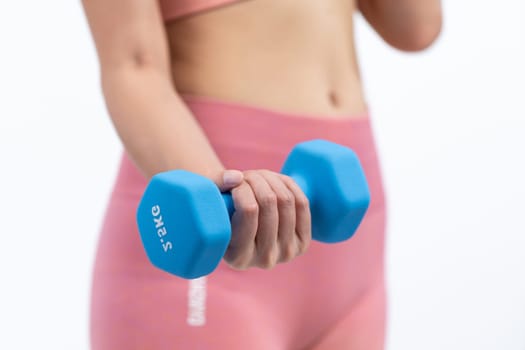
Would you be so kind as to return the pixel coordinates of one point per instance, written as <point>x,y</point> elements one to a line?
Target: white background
<point>450,126</point>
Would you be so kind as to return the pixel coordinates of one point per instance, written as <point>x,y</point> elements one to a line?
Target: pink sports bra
<point>172,9</point>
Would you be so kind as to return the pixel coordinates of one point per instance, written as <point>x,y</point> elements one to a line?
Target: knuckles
<point>302,203</point>
<point>268,200</point>
<point>268,260</point>
<point>288,252</point>
<point>250,210</point>
<point>237,262</point>
<point>286,200</point>
<point>304,243</point>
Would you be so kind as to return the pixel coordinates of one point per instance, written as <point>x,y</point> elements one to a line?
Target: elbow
<point>418,37</point>
<point>132,67</point>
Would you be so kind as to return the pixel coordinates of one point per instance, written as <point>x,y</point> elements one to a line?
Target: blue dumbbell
<point>184,220</point>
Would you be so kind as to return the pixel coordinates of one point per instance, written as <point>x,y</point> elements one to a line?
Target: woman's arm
<point>408,25</point>
<point>160,133</point>
<point>157,130</point>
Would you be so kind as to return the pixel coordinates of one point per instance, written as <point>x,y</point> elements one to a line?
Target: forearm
<point>157,130</point>
<point>405,24</point>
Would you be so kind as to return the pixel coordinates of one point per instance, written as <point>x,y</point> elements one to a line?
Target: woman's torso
<point>284,55</point>
<point>288,55</point>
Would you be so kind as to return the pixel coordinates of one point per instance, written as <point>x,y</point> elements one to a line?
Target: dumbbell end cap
<point>183,223</point>
<point>336,187</point>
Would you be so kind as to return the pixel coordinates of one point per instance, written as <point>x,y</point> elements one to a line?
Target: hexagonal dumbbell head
<point>183,223</point>
<point>334,182</point>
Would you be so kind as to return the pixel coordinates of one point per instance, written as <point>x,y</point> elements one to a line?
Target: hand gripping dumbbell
<point>184,220</point>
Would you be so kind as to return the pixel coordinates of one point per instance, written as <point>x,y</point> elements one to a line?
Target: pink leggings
<point>332,297</point>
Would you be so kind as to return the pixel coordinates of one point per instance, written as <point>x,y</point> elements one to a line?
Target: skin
<point>288,55</point>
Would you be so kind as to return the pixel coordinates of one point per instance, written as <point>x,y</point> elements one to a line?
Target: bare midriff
<point>286,55</point>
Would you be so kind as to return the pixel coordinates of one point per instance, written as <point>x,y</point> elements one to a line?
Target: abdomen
<point>294,56</point>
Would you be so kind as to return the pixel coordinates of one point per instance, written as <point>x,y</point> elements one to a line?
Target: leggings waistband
<point>247,137</point>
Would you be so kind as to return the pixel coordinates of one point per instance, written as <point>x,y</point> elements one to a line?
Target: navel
<point>333,99</point>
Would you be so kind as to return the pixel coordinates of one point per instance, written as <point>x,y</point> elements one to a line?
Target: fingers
<point>288,245</point>
<point>271,223</point>
<point>244,228</point>
<point>267,231</point>
<point>303,221</point>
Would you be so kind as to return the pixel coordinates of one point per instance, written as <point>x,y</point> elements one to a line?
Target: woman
<point>225,88</point>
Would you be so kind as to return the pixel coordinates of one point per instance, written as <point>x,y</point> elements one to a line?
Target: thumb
<point>229,179</point>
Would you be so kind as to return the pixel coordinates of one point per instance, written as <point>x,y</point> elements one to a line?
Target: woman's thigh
<point>136,306</point>
<point>363,328</point>
<point>155,316</point>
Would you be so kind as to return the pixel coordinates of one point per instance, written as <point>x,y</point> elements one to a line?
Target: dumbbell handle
<point>228,200</point>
